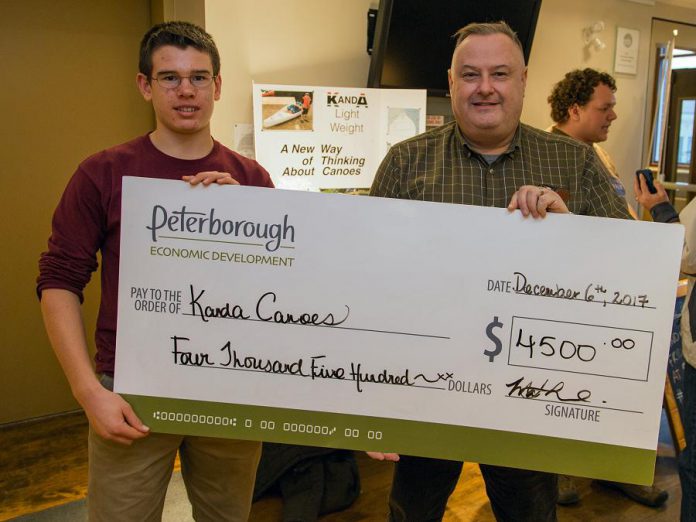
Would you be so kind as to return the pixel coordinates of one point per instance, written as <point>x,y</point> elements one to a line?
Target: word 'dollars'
<point>191,222</point>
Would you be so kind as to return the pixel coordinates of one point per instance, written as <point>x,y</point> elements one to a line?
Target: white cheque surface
<point>435,329</point>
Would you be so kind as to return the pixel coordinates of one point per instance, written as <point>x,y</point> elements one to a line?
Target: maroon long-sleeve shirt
<point>88,220</point>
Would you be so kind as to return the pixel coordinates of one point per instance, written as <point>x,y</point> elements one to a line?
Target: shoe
<point>567,492</point>
<point>651,496</point>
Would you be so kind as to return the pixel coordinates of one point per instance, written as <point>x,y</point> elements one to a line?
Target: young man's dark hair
<point>178,34</point>
<point>576,87</point>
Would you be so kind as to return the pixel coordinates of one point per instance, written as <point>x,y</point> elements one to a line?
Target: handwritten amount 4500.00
<point>550,346</point>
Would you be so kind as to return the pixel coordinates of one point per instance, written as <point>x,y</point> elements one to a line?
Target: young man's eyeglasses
<point>172,81</point>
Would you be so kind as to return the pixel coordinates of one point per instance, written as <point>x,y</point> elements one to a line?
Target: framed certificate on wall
<point>626,57</point>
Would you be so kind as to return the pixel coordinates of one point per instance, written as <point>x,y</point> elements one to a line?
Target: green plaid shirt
<point>441,166</point>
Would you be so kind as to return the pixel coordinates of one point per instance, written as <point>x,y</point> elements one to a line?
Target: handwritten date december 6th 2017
<point>591,292</point>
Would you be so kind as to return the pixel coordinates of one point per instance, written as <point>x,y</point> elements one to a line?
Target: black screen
<point>414,43</point>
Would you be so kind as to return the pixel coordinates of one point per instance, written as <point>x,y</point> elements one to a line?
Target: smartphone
<point>648,179</point>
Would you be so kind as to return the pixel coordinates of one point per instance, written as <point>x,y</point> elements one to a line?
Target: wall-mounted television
<point>413,38</point>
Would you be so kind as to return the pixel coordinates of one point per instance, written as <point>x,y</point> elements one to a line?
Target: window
<point>686,131</point>
<point>682,59</point>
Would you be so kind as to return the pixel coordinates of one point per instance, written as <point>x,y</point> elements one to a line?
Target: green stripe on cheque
<point>216,419</point>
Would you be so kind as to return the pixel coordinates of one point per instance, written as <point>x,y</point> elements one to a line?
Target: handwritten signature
<point>530,391</point>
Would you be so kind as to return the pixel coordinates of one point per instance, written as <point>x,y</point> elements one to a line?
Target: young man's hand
<point>109,415</point>
<point>210,177</point>
<point>537,201</point>
<point>112,418</point>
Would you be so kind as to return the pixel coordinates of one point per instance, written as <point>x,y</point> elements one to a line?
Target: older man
<point>487,157</point>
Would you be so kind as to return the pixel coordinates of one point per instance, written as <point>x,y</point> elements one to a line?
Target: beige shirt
<point>606,160</point>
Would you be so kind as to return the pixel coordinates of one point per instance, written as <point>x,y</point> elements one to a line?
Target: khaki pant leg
<point>129,483</point>
<point>219,475</point>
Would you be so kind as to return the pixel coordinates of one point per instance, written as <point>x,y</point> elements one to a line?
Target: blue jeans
<point>421,487</point>
<point>687,459</point>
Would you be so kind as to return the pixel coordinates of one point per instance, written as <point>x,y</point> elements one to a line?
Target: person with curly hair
<point>582,107</point>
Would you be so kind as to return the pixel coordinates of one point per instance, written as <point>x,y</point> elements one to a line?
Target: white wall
<point>322,42</point>
<point>309,42</point>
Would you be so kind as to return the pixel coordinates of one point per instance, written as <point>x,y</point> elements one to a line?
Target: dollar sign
<point>498,345</point>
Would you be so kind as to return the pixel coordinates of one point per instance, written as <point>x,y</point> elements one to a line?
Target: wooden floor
<point>44,463</point>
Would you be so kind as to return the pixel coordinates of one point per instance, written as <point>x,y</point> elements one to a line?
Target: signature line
<point>569,403</point>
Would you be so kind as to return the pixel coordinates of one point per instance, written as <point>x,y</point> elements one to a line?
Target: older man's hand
<point>378,455</point>
<point>537,201</point>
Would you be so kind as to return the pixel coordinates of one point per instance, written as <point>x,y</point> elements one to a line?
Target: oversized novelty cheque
<point>420,328</point>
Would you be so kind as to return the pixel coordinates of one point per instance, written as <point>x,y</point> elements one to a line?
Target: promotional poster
<point>312,138</point>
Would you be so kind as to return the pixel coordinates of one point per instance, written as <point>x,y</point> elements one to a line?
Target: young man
<point>487,157</point>
<point>129,467</point>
